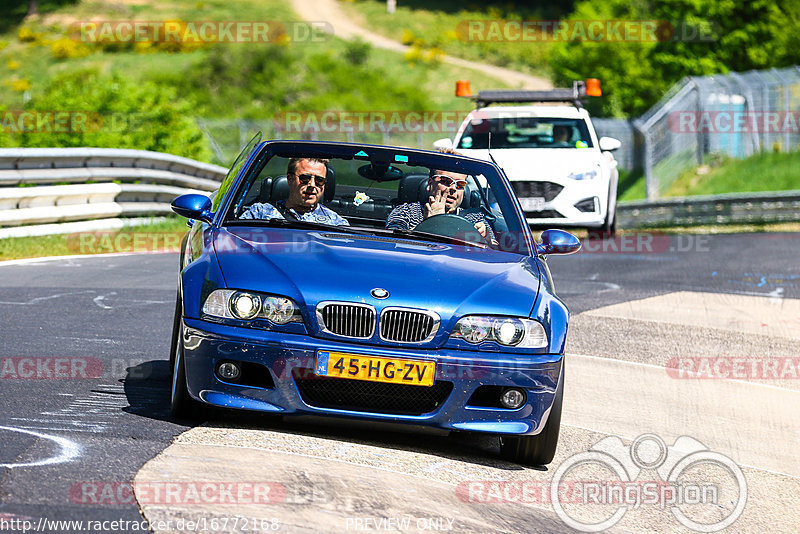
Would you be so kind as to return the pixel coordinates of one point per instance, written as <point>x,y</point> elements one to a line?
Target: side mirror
<point>609,144</point>
<point>558,242</point>
<point>442,144</point>
<point>193,206</point>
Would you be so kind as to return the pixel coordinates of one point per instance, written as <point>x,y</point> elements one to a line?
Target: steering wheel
<point>451,225</point>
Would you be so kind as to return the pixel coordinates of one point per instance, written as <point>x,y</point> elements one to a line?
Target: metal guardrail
<point>729,208</point>
<point>47,158</point>
<point>162,177</point>
<point>61,203</point>
<point>91,205</point>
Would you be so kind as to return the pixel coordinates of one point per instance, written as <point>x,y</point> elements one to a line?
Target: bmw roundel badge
<point>379,293</point>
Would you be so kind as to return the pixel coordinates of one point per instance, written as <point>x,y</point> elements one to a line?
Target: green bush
<point>67,48</point>
<point>116,112</point>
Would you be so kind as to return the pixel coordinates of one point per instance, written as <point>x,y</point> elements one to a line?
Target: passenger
<point>445,194</point>
<point>306,177</point>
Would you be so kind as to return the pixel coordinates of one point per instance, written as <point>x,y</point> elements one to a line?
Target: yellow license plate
<point>375,369</point>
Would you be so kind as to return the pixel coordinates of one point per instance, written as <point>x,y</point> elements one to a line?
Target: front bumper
<point>290,360</point>
<point>562,211</point>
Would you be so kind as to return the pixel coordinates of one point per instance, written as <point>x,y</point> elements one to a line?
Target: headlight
<point>508,331</point>
<point>246,305</point>
<point>473,329</point>
<point>588,175</point>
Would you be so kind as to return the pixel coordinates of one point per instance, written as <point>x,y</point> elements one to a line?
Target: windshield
<point>359,194</point>
<point>525,132</point>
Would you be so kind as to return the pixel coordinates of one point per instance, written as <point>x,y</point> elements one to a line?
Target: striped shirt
<point>408,216</point>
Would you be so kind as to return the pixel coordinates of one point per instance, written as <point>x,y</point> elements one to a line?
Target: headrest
<point>275,189</point>
<point>413,187</point>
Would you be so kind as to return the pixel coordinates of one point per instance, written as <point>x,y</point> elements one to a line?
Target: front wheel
<point>182,405</point>
<point>541,448</point>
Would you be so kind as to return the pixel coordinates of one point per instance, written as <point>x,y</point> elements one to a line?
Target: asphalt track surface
<point>66,439</point>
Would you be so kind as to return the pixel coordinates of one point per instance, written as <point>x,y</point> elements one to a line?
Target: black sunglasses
<point>305,178</point>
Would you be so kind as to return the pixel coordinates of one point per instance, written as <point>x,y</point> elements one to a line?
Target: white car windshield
<point>525,132</point>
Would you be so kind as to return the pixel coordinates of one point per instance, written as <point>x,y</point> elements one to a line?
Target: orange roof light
<point>593,87</point>
<point>462,88</point>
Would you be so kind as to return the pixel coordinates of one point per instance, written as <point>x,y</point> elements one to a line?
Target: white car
<point>562,174</point>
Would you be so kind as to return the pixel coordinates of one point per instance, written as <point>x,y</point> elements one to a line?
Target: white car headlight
<point>507,331</point>
<point>588,175</point>
<point>246,305</point>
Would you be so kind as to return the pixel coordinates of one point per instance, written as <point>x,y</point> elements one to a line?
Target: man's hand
<point>480,226</point>
<point>436,204</point>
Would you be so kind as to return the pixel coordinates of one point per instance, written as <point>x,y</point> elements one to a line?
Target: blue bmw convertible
<point>371,282</point>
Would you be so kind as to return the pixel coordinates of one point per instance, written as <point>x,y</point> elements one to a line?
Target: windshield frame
<point>493,174</point>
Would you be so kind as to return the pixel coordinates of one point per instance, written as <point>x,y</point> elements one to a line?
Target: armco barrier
<point>733,208</point>
<point>160,178</point>
<point>165,176</point>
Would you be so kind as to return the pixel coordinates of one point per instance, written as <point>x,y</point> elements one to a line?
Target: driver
<point>306,177</point>
<point>445,193</point>
<point>561,135</point>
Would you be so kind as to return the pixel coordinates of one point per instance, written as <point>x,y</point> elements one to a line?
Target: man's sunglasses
<point>448,181</point>
<point>305,178</point>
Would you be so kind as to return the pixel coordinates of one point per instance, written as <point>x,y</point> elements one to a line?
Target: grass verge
<point>768,171</point>
<point>144,238</point>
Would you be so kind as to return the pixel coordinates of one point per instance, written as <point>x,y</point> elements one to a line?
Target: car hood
<point>541,163</point>
<point>314,266</point>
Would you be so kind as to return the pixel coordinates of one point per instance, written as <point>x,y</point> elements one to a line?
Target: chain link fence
<point>628,156</point>
<point>735,115</point>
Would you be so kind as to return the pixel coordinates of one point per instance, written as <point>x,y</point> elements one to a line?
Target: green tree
<point>623,67</point>
<point>709,36</point>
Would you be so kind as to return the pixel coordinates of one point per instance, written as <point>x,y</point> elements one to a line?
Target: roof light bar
<point>580,89</point>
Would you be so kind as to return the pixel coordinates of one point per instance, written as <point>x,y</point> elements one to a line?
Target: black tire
<point>176,320</point>
<point>182,405</point>
<point>610,227</point>
<point>539,449</point>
